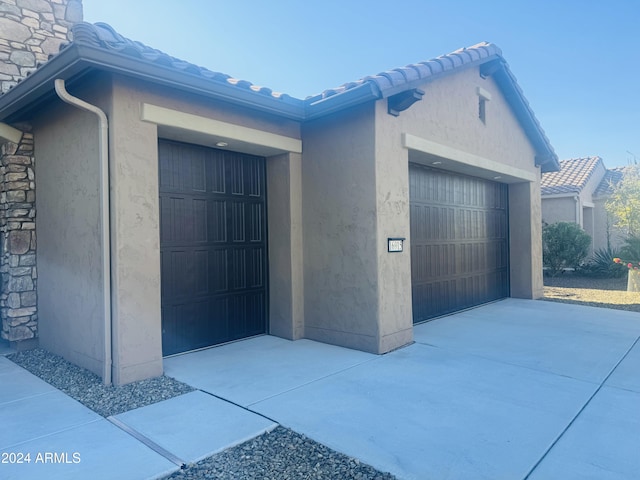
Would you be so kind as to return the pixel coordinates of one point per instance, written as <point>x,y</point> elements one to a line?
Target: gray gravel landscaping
<point>277,455</point>
<point>280,455</point>
<point>87,388</point>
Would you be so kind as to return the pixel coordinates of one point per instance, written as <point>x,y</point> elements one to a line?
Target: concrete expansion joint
<point>148,442</point>
<point>246,409</point>
<point>561,434</point>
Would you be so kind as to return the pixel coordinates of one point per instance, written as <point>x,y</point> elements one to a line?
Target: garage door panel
<point>255,178</point>
<point>255,222</point>
<point>459,243</point>
<point>238,225</point>
<point>213,246</point>
<point>218,271</point>
<point>217,221</point>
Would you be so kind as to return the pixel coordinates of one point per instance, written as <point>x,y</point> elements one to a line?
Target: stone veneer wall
<point>18,297</point>
<point>30,31</point>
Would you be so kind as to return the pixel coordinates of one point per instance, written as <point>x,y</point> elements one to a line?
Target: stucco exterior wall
<point>447,116</point>
<point>603,226</point>
<point>184,102</point>
<point>135,237</point>
<point>339,206</point>
<point>586,195</point>
<point>560,209</point>
<point>580,208</point>
<point>392,206</point>
<point>286,275</point>
<point>135,220</point>
<point>525,240</point>
<point>70,300</point>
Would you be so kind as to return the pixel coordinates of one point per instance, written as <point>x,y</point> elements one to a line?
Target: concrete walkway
<point>46,434</point>
<point>513,390</point>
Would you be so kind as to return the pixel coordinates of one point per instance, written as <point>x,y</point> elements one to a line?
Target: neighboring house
<point>217,210</point>
<point>605,232</point>
<point>577,193</point>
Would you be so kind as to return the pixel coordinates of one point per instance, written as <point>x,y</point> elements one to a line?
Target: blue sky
<point>578,62</point>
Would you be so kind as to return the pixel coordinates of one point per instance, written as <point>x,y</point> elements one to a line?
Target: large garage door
<point>213,246</point>
<point>459,242</point>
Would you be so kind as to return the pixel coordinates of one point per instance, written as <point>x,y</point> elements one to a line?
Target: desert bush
<point>601,264</point>
<point>564,245</point>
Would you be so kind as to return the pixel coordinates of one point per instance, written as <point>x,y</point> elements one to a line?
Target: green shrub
<point>564,245</point>
<point>601,264</point>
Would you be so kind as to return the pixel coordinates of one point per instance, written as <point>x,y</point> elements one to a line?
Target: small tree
<point>624,203</point>
<point>564,245</point>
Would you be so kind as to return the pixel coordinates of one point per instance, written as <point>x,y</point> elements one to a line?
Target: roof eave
<point>352,97</point>
<point>38,85</point>
<point>369,90</point>
<point>395,89</point>
<point>568,194</point>
<point>77,59</point>
<point>546,157</point>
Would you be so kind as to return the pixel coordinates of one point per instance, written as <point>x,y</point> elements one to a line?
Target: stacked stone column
<point>17,230</point>
<point>30,31</point>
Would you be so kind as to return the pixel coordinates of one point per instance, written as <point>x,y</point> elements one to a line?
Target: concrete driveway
<point>512,390</point>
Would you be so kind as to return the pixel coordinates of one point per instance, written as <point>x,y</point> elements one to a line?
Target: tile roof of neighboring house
<point>572,176</point>
<point>99,46</point>
<point>612,177</point>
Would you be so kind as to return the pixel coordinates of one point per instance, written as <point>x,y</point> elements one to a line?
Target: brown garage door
<point>213,246</point>
<point>459,242</point>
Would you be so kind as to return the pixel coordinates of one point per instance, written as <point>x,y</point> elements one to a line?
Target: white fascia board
<point>461,160</point>
<point>220,130</point>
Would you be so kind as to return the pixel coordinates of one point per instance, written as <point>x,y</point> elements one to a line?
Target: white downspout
<point>578,211</point>
<point>103,152</point>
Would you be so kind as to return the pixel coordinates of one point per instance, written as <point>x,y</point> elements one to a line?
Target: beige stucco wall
<point>447,116</point>
<point>341,275</point>
<point>135,260</point>
<point>188,103</point>
<point>135,219</point>
<point>560,209</point>
<point>392,206</point>
<point>330,212</point>
<point>580,208</point>
<point>70,300</point>
<point>525,240</point>
<point>286,275</point>
<point>356,196</point>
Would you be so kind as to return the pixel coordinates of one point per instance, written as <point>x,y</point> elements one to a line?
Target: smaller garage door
<point>459,242</point>
<point>212,246</point>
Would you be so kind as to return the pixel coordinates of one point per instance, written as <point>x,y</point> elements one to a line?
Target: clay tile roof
<point>100,46</point>
<point>101,35</point>
<point>612,177</point>
<point>572,176</point>
<point>397,80</point>
<point>392,80</point>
